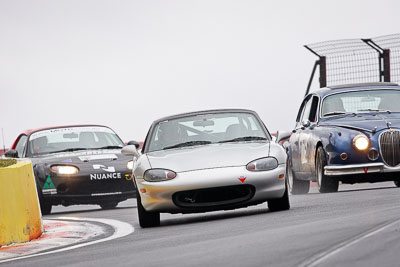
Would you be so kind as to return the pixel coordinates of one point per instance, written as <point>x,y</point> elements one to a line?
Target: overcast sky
<point>127,63</point>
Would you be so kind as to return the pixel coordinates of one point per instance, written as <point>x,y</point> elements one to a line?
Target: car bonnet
<point>83,158</point>
<point>208,156</point>
<point>366,121</point>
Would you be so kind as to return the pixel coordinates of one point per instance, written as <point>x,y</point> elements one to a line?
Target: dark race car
<point>346,134</point>
<point>78,164</point>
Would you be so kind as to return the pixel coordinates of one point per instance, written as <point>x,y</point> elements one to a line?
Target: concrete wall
<point>20,218</point>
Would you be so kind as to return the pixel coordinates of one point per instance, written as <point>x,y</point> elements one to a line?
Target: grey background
<point>127,63</point>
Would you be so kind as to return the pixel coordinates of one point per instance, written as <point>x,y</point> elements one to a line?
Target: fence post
<point>322,71</point>
<point>386,65</point>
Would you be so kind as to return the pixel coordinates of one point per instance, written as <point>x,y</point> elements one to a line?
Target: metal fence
<point>391,43</point>
<point>357,60</point>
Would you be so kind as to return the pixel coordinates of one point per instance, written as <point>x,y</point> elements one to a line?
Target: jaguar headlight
<point>361,142</point>
<point>263,164</point>
<point>158,175</point>
<point>129,165</point>
<point>64,170</point>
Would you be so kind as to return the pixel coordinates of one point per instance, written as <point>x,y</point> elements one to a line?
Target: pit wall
<point>20,217</point>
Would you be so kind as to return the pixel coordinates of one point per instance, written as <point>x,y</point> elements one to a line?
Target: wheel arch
<point>314,171</point>
<point>318,145</point>
<point>289,155</point>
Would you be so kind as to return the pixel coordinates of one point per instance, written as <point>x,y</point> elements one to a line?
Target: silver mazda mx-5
<point>207,161</point>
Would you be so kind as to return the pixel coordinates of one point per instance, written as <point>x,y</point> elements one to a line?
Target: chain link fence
<point>357,60</point>
<point>392,43</point>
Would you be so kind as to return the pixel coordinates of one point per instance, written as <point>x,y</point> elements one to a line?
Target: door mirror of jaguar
<point>306,123</point>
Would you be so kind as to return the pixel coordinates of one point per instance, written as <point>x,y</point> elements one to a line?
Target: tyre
<point>296,187</point>
<point>45,207</point>
<point>397,183</point>
<point>146,218</point>
<point>108,205</point>
<point>325,183</point>
<point>280,203</point>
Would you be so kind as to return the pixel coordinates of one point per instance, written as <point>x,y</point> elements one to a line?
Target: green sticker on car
<point>49,184</point>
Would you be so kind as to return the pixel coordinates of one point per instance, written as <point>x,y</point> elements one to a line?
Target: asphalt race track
<point>358,226</point>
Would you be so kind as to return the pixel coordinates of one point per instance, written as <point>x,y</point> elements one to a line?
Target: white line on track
<point>319,258</point>
<point>121,229</point>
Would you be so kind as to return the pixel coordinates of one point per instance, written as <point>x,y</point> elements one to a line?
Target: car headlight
<point>64,170</point>
<point>361,142</point>
<point>129,165</point>
<point>158,175</point>
<point>263,164</point>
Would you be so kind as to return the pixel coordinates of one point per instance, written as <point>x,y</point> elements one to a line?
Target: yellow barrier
<point>20,218</point>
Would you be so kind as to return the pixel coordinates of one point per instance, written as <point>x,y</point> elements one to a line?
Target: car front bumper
<point>159,196</point>
<point>95,198</point>
<point>367,168</point>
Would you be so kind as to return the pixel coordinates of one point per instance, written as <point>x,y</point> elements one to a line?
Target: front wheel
<point>146,218</point>
<point>45,207</point>
<point>296,187</point>
<point>325,183</point>
<point>280,203</point>
<point>108,205</point>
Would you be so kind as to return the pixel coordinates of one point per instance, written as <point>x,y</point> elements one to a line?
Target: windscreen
<point>72,139</point>
<point>206,129</point>
<point>361,102</point>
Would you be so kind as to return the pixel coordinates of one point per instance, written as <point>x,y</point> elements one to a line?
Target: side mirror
<point>130,150</point>
<point>136,144</point>
<point>11,153</point>
<point>306,123</point>
<point>281,136</point>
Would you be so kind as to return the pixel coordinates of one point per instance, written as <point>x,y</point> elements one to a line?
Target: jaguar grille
<point>390,147</point>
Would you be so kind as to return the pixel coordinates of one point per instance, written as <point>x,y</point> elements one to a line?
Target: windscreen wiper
<point>108,147</point>
<point>339,113</point>
<point>190,143</point>
<point>375,110</point>
<point>244,138</point>
<point>69,150</point>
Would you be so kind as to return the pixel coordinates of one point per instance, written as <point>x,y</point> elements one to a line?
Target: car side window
<point>301,111</point>
<point>313,111</point>
<point>305,113</point>
<point>308,110</point>
<point>21,145</point>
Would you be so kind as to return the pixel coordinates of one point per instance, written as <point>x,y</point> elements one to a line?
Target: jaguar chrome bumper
<point>359,169</point>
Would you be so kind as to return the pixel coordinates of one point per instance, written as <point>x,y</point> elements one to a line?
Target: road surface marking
<point>320,257</point>
<point>121,229</point>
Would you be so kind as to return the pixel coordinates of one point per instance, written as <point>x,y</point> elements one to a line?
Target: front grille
<point>390,147</point>
<point>211,197</point>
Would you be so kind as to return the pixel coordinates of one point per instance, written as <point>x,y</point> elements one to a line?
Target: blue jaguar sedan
<point>347,134</point>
